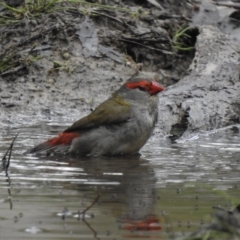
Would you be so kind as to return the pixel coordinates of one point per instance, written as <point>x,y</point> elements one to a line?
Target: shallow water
<point>167,192</point>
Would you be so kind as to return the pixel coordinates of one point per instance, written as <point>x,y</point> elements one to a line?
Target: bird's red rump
<point>64,138</point>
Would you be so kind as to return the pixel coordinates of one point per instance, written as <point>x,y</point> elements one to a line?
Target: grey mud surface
<point>81,60</point>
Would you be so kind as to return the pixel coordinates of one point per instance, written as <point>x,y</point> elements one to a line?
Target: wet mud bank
<point>58,66</point>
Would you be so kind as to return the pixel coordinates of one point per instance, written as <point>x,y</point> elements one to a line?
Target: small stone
<point>9,105</point>
<point>235,129</point>
<point>33,230</point>
<point>6,95</point>
<point>66,55</point>
<point>15,219</point>
<point>47,85</point>
<point>51,81</point>
<point>35,88</point>
<point>22,80</point>
<point>34,22</point>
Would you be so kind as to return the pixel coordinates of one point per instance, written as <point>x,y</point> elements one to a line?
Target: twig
<point>90,206</point>
<point>149,39</point>
<point>5,165</point>
<point>89,226</point>
<point>152,48</point>
<point>11,71</point>
<point>131,28</point>
<point>83,216</point>
<point>156,4</point>
<point>5,161</point>
<point>227,4</point>
<point>115,19</point>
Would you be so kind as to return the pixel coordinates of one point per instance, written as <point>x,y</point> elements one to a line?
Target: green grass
<point>12,59</point>
<point>7,63</point>
<point>33,9</point>
<point>181,39</point>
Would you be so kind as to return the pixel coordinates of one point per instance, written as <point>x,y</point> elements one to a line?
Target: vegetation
<point>12,59</point>
<point>12,16</point>
<point>33,9</point>
<point>182,39</point>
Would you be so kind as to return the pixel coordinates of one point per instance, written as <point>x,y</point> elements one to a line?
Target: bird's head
<point>140,89</point>
<point>145,85</point>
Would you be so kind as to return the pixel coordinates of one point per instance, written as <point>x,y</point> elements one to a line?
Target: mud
<point>62,64</point>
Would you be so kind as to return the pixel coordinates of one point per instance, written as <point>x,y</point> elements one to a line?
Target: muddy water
<point>165,193</point>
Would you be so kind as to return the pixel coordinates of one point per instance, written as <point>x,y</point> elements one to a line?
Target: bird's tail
<point>61,143</point>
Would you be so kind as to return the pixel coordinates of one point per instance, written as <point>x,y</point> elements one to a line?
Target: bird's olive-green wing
<point>113,111</point>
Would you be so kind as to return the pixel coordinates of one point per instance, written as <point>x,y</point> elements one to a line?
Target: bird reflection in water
<point>132,193</point>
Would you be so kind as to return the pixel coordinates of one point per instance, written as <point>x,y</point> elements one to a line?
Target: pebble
<point>9,105</point>
<point>35,89</point>
<point>51,81</point>
<point>6,95</point>
<point>22,80</point>
<point>66,56</point>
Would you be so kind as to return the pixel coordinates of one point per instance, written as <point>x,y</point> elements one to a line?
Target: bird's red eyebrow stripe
<point>64,138</point>
<point>133,85</point>
<point>152,87</point>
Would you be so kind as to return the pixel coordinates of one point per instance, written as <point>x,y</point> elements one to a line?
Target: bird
<point>120,125</point>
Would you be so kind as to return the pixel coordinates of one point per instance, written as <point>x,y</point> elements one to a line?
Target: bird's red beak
<point>155,88</point>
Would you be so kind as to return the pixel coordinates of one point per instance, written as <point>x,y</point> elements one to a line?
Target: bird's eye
<point>141,88</point>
